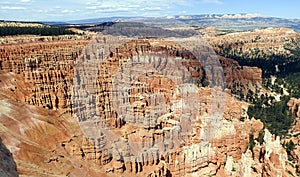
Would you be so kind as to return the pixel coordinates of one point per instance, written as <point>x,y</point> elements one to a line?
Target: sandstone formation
<point>129,107</point>
<point>294,105</point>
<point>241,79</point>
<point>37,139</point>
<point>47,64</point>
<point>259,43</point>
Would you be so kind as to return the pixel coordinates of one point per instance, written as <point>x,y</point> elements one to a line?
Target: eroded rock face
<point>294,105</point>
<point>255,44</point>
<point>241,78</point>
<point>212,140</point>
<point>267,159</point>
<point>37,72</point>
<point>47,64</point>
<point>43,141</point>
<point>200,148</point>
<point>275,156</point>
<point>7,165</point>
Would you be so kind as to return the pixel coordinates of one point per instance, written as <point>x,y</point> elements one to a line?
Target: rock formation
<point>46,65</point>
<point>259,43</point>
<point>241,79</point>
<point>7,165</point>
<point>294,105</point>
<point>62,109</point>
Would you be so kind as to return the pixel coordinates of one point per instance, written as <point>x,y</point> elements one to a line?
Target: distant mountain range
<point>227,22</point>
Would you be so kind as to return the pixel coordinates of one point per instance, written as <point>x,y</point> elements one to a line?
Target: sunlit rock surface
<point>116,106</point>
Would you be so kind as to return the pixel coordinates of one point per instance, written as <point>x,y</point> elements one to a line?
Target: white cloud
<point>212,2</point>
<point>133,4</point>
<point>68,11</point>
<point>12,8</point>
<point>151,9</point>
<point>78,9</point>
<point>91,7</point>
<point>113,6</point>
<point>133,7</point>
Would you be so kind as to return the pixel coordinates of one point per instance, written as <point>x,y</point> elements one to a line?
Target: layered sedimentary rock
<point>294,105</point>
<point>37,138</point>
<point>267,159</point>
<point>46,63</point>
<point>140,108</point>
<point>200,146</point>
<point>241,79</point>
<point>259,43</point>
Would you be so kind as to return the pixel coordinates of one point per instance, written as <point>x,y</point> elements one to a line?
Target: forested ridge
<point>43,31</point>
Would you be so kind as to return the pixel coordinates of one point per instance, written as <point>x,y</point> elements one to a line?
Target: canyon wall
<point>259,43</point>
<point>117,106</point>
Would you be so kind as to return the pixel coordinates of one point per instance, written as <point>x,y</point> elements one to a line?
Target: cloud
<point>68,11</point>
<point>114,7</point>
<point>212,2</point>
<point>12,8</point>
<point>151,9</point>
<point>78,9</point>
<point>133,4</point>
<point>91,7</point>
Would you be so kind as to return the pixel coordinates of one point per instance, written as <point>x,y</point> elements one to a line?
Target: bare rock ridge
<point>7,165</point>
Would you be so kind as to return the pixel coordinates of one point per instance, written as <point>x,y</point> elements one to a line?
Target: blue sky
<point>63,10</point>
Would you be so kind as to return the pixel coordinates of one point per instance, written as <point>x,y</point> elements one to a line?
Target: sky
<point>64,10</point>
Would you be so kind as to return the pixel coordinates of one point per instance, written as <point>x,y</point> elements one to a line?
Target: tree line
<point>43,31</point>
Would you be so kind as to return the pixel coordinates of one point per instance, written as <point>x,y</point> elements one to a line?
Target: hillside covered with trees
<point>28,30</point>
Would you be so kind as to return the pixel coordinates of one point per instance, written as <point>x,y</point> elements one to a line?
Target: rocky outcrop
<point>7,165</point>
<point>39,140</point>
<point>275,156</point>
<point>149,140</point>
<point>47,64</point>
<point>267,159</point>
<point>128,107</point>
<point>241,79</point>
<point>294,105</point>
<point>36,59</point>
<point>259,43</point>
